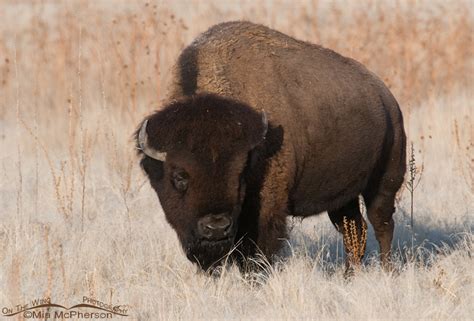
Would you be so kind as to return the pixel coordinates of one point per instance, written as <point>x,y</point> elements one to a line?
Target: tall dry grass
<point>78,217</point>
<point>118,56</point>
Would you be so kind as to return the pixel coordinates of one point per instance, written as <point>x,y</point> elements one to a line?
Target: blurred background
<point>121,51</point>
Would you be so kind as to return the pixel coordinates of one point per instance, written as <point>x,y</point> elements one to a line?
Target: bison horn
<point>265,123</point>
<point>145,148</point>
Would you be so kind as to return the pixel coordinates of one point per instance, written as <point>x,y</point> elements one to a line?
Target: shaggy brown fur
<point>334,131</point>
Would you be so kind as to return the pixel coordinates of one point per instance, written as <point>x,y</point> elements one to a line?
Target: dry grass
<point>79,218</point>
<point>353,242</point>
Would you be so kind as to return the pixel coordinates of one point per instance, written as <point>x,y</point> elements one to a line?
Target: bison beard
<point>259,126</point>
<point>209,255</point>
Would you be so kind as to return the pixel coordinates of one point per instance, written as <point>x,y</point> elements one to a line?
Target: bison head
<point>195,152</point>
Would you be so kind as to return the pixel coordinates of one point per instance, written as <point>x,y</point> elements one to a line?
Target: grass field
<point>78,217</point>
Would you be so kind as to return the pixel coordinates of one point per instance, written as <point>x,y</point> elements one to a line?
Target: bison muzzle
<point>258,126</point>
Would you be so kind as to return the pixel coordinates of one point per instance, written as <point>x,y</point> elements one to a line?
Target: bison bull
<point>259,126</point>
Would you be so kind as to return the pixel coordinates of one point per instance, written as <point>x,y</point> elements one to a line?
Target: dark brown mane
<point>204,123</point>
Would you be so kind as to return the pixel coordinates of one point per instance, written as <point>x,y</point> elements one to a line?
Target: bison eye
<point>180,180</point>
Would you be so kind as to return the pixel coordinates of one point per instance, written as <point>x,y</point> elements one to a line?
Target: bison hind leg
<point>348,220</point>
<point>380,209</point>
<point>380,203</point>
<point>380,195</point>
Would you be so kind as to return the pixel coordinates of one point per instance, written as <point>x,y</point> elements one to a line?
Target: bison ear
<point>153,169</point>
<point>143,144</point>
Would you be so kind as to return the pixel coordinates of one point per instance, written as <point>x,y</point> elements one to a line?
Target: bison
<point>258,126</point>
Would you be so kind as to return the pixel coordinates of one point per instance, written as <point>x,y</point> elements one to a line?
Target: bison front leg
<point>274,205</point>
<point>271,232</point>
<point>349,221</point>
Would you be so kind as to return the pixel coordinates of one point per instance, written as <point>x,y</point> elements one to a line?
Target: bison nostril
<point>215,226</point>
<point>212,227</point>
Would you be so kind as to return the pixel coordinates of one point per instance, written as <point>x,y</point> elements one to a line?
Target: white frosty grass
<point>125,253</point>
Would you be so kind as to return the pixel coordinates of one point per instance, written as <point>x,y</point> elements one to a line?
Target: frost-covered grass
<point>135,259</point>
<point>78,217</point>
<point>125,253</point>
